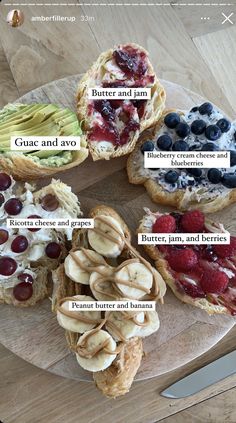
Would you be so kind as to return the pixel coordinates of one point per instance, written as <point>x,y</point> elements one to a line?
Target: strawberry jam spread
<point>116,121</point>
<point>200,271</point>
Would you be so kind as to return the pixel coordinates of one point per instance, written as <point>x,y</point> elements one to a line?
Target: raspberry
<point>181,260</point>
<point>225,251</point>
<point>164,224</point>
<point>192,290</point>
<point>193,221</point>
<point>215,281</point>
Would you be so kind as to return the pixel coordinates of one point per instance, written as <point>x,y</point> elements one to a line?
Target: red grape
<point>2,199</point>
<point>8,266</point>
<point>19,244</point>
<point>53,250</point>
<point>5,181</point>
<point>3,236</point>
<point>34,216</point>
<point>13,206</point>
<point>49,202</point>
<point>23,291</point>
<point>25,277</point>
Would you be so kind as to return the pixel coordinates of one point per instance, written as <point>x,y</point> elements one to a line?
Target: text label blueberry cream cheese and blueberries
<point>203,128</point>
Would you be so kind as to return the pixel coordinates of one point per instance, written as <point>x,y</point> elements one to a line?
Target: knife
<point>202,378</point>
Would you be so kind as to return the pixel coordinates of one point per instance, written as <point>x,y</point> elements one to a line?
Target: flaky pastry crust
<point>157,103</point>
<point>162,266</point>
<point>22,167</point>
<point>117,379</point>
<point>42,287</point>
<point>177,198</point>
<point>122,371</point>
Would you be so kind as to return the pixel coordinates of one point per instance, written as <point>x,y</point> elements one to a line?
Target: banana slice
<point>101,360</point>
<point>152,326</point>
<point>74,325</point>
<point>134,273</point>
<point>104,244</point>
<point>73,269</point>
<point>121,325</point>
<point>160,283</point>
<point>100,287</point>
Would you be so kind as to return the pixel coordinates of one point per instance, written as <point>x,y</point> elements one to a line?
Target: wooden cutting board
<point>185,333</point>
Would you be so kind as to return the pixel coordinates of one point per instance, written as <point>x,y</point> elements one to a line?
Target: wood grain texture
<point>187,330</point>
<point>217,49</point>
<point>36,396</point>
<point>39,53</point>
<point>161,31</point>
<point>28,394</point>
<point>8,89</point>
<point>218,409</point>
<point>195,26</point>
<point>71,51</point>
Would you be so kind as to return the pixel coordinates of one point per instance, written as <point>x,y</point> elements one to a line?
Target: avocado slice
<point>21,116</point>
<point>38,120</point>
<point>71,128</point>
<point>42,154</point>
<point>11,110</point>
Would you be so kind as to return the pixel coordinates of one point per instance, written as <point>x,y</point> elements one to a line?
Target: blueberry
<point>198,127</point>
<point>197,173</point>
<point>235,136</point>
<point>224,125</point>
<point>206,109</point>
<point>194,147</point>
<point>171,120</point>
<point>164,142</point>
<point>232,158</point>
<point>177,216</point>
<point>213,132</point>
<point>191,182</point>
<point>194,109</point>
<point>180,146</point>
<point>214,175</point>
<point>147,146</point>
<point>209,146</point>
<point>229,180</point>
<point>171,176</point>
<point>105,108</point>
<point>182,130</point>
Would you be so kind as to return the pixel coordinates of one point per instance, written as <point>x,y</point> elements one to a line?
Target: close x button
<point>227,18</point>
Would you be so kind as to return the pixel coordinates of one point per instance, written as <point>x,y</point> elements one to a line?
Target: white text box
<point>186,159</point>
<point>21,143</point>
<point>49,223</point>
<point>119,93</point>
<point>185,238</point>
<point>131,305</point>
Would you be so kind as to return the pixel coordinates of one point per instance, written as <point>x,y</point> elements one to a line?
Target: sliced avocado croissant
<point>38,120</point>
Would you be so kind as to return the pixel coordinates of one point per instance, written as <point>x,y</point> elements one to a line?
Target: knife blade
<point>202,378</point>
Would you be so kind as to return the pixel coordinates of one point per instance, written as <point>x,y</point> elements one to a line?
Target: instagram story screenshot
<point>117,211</point>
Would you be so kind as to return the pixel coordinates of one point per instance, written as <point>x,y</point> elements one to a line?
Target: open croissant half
<point>103,265</point>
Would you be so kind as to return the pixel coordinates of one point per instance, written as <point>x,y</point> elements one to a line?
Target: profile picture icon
<point>15,18</point>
